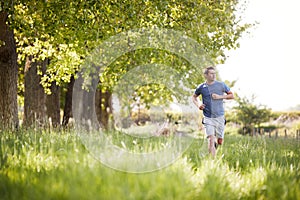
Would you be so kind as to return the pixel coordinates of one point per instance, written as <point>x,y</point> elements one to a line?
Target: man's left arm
<point>228,95</point>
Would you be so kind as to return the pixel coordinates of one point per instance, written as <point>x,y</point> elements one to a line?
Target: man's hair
<point>207,69</point>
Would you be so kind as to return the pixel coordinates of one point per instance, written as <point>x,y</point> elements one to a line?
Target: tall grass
<point>55,165</point>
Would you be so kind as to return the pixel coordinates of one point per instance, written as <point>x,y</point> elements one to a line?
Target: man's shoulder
<point>202,85</point>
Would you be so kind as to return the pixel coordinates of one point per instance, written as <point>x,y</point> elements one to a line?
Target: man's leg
<point>220,130</point>
<point>211,145</point>
<point>210,133</point>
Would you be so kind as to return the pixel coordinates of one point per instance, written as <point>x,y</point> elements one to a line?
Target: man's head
<point>210,74</point>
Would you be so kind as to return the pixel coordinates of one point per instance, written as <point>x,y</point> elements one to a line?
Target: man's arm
<point>228,95</point>
<point>197,103</point>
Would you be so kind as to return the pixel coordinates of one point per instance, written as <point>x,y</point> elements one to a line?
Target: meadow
<point>48,164</point>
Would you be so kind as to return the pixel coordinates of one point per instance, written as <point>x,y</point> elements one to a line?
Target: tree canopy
<point>67,32</point>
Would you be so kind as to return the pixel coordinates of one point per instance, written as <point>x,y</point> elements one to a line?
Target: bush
<point>140,117</point>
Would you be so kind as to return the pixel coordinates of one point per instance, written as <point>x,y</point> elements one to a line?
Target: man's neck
<point>209,82</point>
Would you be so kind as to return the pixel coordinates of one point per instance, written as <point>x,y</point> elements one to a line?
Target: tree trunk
<point>103,107</point>
<point>34,95</point>
<point>53,105</point>
<point>68,102</point>
<point>8,76</point>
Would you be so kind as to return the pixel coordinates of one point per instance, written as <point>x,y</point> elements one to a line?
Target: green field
<point>55,165</point>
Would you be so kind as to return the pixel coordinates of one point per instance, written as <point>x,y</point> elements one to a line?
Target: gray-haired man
<point>213,93</point>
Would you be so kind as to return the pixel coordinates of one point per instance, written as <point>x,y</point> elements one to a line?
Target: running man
<point>213,93</point>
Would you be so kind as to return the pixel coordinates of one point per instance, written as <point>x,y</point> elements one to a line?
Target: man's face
<point>211,75</point>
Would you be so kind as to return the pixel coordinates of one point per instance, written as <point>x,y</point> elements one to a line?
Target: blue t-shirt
<point>213,108</point>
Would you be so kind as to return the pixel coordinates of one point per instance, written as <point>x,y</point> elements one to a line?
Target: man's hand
<point>202,107</point>
<point>229,95</point>
<point>216,96</point>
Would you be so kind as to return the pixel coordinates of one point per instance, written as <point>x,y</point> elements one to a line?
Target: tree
<point>250,115</point>
<point>68,102</point>
<point>53,105</point>
<point>8,73</point>
<point>35,109</point>
<point>65,32</point>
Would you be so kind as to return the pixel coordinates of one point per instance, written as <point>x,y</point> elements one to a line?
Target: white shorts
<point>214,126</point>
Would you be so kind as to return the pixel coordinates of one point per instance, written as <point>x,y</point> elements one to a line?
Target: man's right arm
<point>197,103</point>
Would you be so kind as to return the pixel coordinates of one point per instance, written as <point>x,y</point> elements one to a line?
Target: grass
<point>55,165</point>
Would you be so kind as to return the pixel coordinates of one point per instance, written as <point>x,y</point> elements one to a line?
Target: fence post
<point>276,134</point>
<point>285,133</point>
<point>270,134</point>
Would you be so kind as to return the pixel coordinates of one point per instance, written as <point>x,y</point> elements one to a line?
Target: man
<point>213,93</point>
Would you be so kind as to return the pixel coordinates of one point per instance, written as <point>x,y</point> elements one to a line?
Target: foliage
<point>55,165</point>
<point>297,126</point>
<point>140,116</point>
<point>293,115</point>
<point>67,31</point>
<point>295,108</point>
<point>249,114</point>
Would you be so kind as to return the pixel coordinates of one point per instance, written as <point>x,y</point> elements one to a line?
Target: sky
<point>267,64</point>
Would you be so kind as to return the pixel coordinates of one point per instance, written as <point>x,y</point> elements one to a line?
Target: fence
<point>276,133</point>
